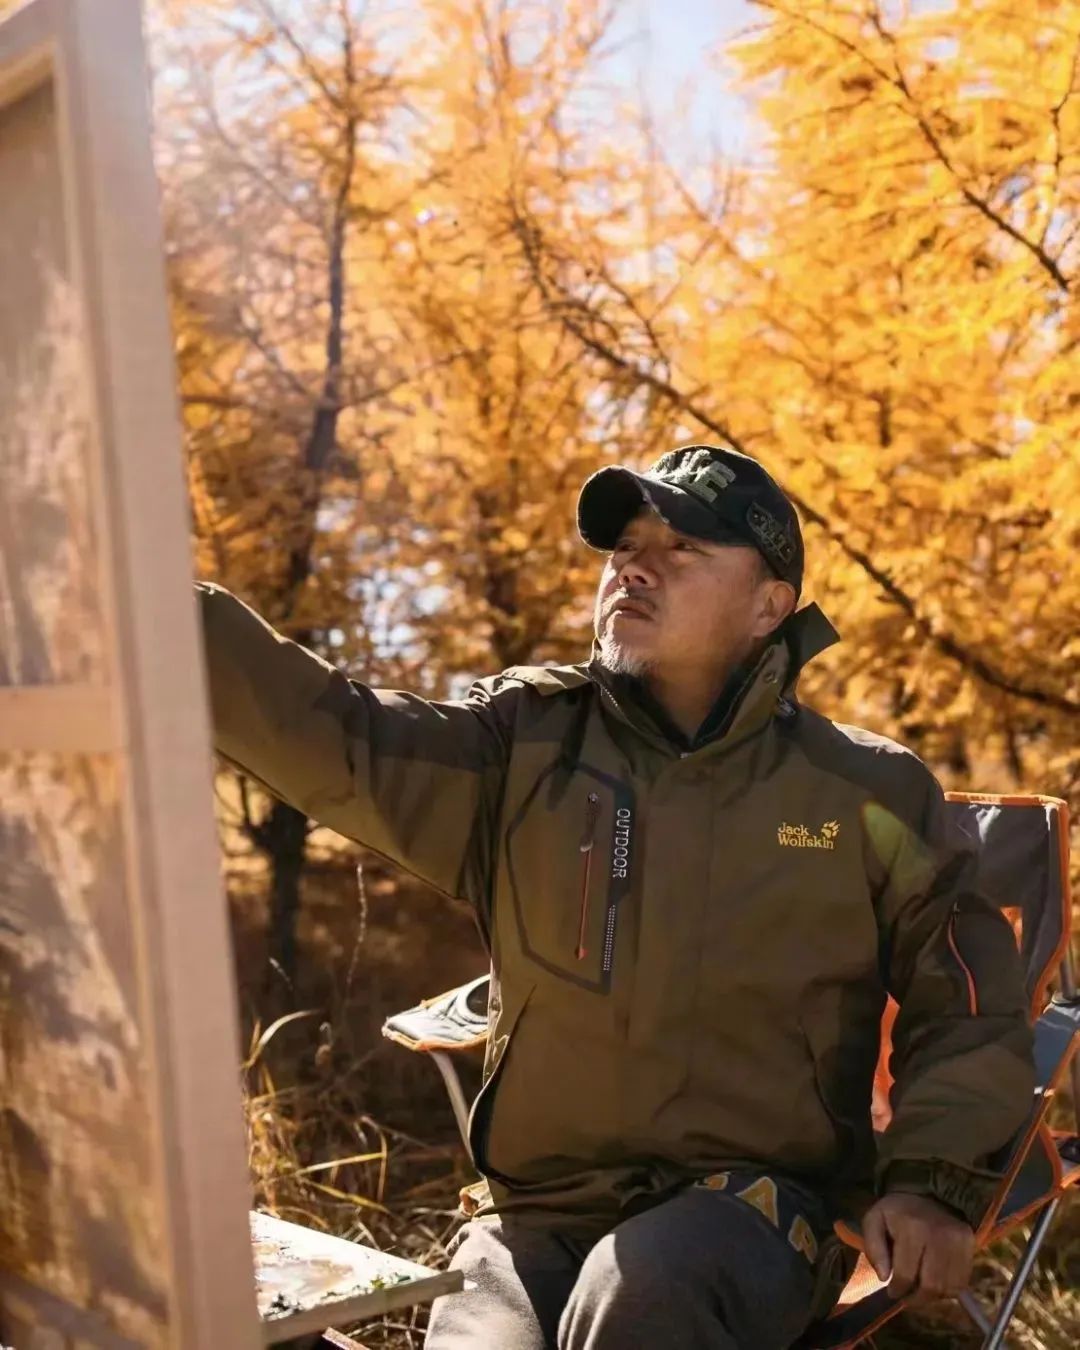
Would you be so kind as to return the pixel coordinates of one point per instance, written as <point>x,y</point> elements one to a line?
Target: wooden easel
<point>123,1189</point>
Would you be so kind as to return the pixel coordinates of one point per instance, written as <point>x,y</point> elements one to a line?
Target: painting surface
<point>80,1205</point>
<point>50,620</point>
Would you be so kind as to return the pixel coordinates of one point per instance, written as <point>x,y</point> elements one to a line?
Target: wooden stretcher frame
<point>149,713</point>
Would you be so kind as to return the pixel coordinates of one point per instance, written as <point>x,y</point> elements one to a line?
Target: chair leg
<point>1067,980</point>
<point>457,1097</point>
<point>975,1311</point>
<point>1016,1285</point>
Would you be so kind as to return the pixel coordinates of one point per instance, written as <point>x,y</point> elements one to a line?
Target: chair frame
<point>876,1307</point>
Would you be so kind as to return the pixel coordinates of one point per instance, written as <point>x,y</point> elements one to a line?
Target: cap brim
<point>614,495</point>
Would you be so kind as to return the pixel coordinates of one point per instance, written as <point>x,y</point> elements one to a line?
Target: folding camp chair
<point>1023,853</point>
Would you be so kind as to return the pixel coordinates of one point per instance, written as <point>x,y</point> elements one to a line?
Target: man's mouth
<point>634,609</point>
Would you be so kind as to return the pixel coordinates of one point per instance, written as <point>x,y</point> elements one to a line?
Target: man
<point>696,893</point>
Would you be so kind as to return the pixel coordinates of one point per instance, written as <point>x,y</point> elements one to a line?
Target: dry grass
<point>318,1158</point>
<point>1048,1317</point>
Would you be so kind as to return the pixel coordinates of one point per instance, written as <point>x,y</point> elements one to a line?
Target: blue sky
<point>664,51</point>
<point>668,54</point>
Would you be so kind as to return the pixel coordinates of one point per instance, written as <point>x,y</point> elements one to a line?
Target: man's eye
<point>686,546</point>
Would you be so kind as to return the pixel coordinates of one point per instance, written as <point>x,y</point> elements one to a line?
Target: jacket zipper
<point>588,840</point>
<point>973,999</point>
<point>609,937</point>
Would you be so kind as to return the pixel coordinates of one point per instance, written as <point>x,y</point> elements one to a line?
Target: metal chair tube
<point>456,1095</point>
<point>1016,1285</point>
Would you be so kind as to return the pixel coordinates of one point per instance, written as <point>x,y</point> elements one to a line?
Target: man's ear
<point>778,601</point>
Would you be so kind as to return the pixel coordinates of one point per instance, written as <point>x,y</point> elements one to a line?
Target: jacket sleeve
<point>417,781</point>
<point>962,1044</point>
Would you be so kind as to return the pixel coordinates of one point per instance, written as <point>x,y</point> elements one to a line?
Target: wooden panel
<point>80,1214</point>
<point>60,717</point>
<point>123,1194</point>
<point>50,615</point>
<point>123,1189</point>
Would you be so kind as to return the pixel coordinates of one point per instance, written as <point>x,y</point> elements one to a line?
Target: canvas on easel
<point>123,1196</point>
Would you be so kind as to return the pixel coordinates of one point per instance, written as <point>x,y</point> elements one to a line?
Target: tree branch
<point>899,82</point>
<point>568,308</point>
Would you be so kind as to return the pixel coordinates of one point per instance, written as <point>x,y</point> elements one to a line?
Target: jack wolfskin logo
<point>798,836</point>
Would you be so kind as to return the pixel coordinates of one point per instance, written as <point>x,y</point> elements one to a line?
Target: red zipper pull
<point>972,992</point>
<point>588,839</point>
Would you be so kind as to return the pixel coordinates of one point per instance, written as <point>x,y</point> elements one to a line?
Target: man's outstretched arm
<point>415,780</point>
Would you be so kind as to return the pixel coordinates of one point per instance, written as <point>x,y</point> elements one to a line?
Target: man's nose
<point>638,569</point>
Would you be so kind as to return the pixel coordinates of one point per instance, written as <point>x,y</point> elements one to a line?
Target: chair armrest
<point>1055,1032</point>
<point>456,1020</point>
<point>1030,1164</point>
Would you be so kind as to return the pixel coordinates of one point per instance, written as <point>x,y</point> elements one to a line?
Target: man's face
<point>669,603</point>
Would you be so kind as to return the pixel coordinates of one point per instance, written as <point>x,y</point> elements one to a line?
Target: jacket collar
<point>807,634</point>
<point>753,700</point>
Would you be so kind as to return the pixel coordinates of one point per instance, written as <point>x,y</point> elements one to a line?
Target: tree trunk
<point>282,833</point>
<point>282,836</point>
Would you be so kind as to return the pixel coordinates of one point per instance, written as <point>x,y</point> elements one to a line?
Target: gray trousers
<point>701,1271</point>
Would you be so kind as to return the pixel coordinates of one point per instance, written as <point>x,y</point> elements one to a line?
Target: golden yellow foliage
<point>882,307</point>
<point>501,421</point>
<point>880,304</point>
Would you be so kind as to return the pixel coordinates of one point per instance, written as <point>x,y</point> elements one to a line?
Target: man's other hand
<point>918,1246</point>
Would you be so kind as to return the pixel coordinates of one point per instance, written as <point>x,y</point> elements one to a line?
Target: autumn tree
<point>386,428</point>
<point>929,182</point>
<point>418,301</point>
<point>276,136</point>
<point>502,422</point>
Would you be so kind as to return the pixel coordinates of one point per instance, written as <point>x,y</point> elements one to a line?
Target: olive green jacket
<point>691,949</point>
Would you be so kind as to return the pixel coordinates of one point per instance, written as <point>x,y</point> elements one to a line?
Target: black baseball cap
<point>700,490</point>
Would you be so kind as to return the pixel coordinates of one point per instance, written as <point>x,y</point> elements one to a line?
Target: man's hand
<point>918,1246</point>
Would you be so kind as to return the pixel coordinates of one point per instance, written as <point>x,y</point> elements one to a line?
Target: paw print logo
<point>831,829</point>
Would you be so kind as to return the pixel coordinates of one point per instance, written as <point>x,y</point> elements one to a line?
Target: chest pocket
<point>568,855</point>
